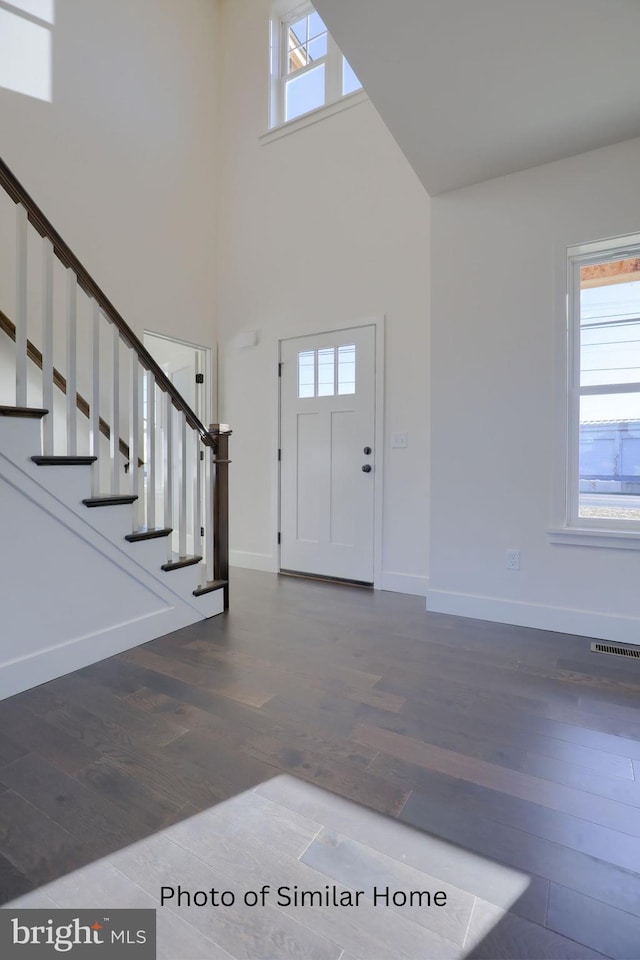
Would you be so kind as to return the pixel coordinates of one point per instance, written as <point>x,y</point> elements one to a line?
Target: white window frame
<point>577,530</point>
<point>283,15</point>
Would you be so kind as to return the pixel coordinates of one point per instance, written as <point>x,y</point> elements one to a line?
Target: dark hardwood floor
<point>518,746</point>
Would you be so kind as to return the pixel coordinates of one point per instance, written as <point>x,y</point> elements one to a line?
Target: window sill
<point>590,537</point>
<point>284,129</point>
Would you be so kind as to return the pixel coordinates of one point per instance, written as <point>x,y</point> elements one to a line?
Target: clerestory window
<point>308,71</point>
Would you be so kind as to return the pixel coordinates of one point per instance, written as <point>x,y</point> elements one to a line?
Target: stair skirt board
<point>22,674</point>
<point>115,524</point>
<point>51,639</point>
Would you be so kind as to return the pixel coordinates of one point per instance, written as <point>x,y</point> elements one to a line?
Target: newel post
<point>221,433</point>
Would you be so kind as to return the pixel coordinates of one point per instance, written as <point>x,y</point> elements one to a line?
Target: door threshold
<point>343,581</point>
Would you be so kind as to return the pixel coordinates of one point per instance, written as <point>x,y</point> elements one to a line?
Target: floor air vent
<point>619,649</point>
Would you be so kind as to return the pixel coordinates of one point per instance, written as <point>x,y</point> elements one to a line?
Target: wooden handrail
<point>66,256</point>
<point>8,327</point>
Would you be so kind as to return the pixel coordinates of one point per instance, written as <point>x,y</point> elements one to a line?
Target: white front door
<point>327,469</point>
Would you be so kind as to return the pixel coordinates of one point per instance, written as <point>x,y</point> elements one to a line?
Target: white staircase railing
<point>107,398</point>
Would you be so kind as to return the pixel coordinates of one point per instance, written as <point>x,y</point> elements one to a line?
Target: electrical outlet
<point>513,559</point>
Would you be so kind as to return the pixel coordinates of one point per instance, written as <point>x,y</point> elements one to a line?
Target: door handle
<point>366,468</point>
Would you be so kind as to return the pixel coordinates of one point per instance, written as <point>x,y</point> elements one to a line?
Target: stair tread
<point>180,562</point>
<point>110,500</point>
<point>32,412</point>
<point>209,587</point>
<point>152,534</point>
<point>64,461</point>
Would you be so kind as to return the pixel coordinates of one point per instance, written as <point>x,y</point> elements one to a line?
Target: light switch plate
<point>400,440</point>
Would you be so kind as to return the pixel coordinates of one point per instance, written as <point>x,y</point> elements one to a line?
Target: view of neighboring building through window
<point>307,68</point>
<point>605,393</point>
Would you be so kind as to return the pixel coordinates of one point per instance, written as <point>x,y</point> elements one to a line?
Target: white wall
<point>123,158</point>
<point>318,229</point>
<point>498,269</point>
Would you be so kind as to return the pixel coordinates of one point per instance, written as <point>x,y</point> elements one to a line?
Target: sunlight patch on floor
<point>289,870</point>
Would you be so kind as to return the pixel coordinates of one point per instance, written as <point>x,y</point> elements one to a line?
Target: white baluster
<point>72,370</point>
<point>208,512</point>
<point>134,435</point>
<point>22,224</point>
<point>95,397</point>
<point>197,496</point>
<point>151,450</point>
<point>115,414</point>
<point>47,345</point>
<point>141,512</point>
<point>182,511</point>
<point>168,478</point>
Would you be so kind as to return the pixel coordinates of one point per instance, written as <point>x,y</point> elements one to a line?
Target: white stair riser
<point>20,438</point>
<point>113,522</point>
<point>211,604</point>
<point>67,483</point>
<point>150,553</point>
<point>184,580</point>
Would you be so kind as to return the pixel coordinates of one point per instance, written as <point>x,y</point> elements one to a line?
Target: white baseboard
<point>404,583</point>
<point>586,623</point>
<point>44,665</point>
<point>253,561</point>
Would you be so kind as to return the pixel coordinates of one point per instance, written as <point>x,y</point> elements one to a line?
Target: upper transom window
<point>308,71</point>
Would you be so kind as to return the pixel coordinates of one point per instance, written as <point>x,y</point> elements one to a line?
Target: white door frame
<point>378,323</point>
<point>210,370</point>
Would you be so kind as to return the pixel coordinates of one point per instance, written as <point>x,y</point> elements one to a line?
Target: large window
<point>308,70</point>
<point>604,396</point>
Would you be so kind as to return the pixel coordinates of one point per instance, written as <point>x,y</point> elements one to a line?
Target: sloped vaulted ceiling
<point>474,89</point>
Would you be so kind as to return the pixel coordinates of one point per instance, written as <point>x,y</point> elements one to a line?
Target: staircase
<point>113,494</point>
